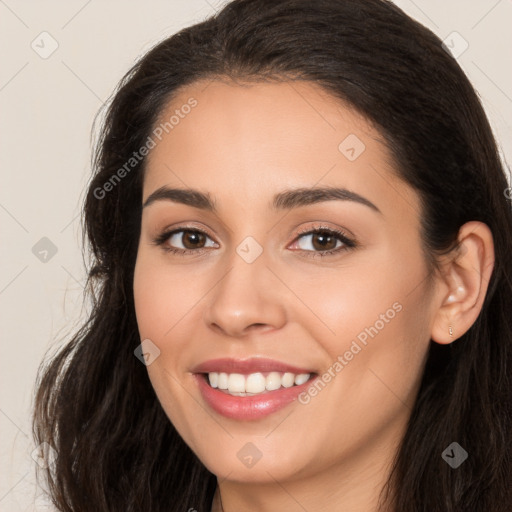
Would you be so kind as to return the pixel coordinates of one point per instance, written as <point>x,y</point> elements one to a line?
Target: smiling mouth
<point>258,383</point>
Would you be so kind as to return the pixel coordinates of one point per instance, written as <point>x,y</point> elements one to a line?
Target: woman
<point>301,272</point>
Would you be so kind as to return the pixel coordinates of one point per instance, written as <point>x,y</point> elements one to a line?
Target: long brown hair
<point>116,448</point>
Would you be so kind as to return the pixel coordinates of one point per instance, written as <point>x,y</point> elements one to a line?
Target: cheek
<point>369,293</point>
<point>164,306</point>
<point>163,297</point>
<point>372,323</point>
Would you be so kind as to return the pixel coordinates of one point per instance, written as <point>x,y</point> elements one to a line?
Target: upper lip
<point>247,366</point>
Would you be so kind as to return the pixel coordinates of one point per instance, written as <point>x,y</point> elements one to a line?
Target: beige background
<point>47,110</point>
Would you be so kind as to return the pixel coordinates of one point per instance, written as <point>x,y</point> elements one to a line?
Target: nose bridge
<point>242,298</point>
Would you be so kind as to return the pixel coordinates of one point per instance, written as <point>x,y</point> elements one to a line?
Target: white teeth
<point>301,378</point>
<point>245,385</point>
<point>255,383</point>
<point>273,381</point>
<point>288,380</point>
<point>214,379</point>
<point>236,383</point>
<point>223,381</point>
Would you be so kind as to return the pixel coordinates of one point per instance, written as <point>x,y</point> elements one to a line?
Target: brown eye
<point>193,239</point>
<point>320,241</point>
<point>187,240</point>
<point>324,241</point>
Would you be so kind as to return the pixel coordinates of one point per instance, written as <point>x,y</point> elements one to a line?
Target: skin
<point>242,144</point>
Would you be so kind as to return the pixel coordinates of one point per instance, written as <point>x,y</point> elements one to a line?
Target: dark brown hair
<point>116,448</point>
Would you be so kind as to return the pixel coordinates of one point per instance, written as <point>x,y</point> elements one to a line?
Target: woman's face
<point>276,241</point>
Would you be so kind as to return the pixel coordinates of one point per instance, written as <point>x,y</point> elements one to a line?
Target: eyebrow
<point>184,196</point>
<point>283,201</point>
<point>306,196</point>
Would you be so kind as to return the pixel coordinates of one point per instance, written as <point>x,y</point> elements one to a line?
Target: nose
<point>245,299</point>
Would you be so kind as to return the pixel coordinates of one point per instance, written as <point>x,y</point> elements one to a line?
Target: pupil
<point>193,239</point>
<point>323,241</point>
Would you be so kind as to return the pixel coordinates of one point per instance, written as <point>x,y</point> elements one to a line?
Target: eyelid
<point>319,228</point>
<point>167,233</point>
<point>175,228</point>
<point>348,241</point>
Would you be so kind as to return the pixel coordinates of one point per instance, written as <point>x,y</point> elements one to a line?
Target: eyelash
<point>347,242</point>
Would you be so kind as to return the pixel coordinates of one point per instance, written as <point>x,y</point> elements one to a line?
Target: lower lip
<point>248,407</point>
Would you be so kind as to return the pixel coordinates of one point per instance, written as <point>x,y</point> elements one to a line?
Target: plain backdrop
<point>60,62</point>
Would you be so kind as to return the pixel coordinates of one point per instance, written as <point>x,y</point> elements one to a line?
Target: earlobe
<point>466,273</point>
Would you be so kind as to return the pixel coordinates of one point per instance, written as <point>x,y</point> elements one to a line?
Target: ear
<point>464,279</point>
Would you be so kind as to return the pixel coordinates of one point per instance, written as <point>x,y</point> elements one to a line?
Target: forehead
<point>250,140</point>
